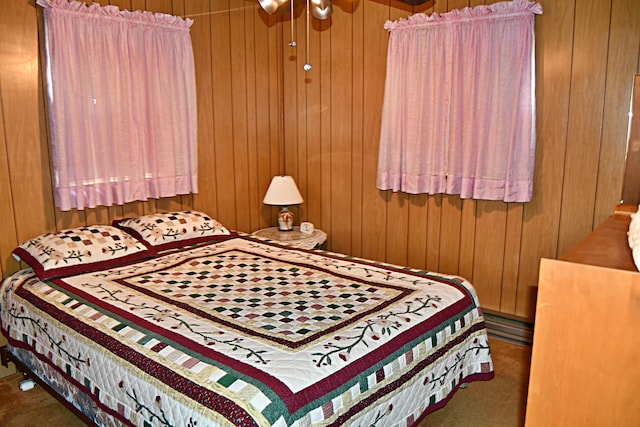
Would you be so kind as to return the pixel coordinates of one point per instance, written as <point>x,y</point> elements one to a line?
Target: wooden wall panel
<point>266,125</point>
<point>374,217</point>
<point>20,129</point>
<point>8,230</point>
<point>358,106</point>
<point>624,16</point>
<point>30,175</point>
<point>417,244</point>
<point>201,34</point>
<point>276,107</point>
<point>513,239</point>
<point>588,75</point>
<point>554,39</point>
<point>340,128</point>
<point>467,238</point>
<point>434,231</point>
<point>489,251</point>
<point>260,114</point>
<point>323,81</point>
<point>222,122</point>
<point>238,108</point>
<point>291,78</point>
<point>253,191</point>
<point>450,228</point>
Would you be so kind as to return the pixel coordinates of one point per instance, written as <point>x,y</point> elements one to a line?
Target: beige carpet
<point>33,408</point>
<point>496,403</point>
<point>500,402</point>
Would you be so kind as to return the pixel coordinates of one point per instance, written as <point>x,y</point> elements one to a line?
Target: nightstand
<point>294,237</point>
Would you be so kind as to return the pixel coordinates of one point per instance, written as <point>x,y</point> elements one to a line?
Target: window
<point>122,104</point>
<point>459,104</point>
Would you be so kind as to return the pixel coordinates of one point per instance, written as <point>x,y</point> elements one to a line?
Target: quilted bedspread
<point>248,332</point>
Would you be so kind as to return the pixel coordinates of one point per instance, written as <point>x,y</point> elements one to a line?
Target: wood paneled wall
<point>260,114</point>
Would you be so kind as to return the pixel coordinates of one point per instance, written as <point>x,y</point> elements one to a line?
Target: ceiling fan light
<point>321,9</point>
<point>321,3</point>
<point>270,6</point>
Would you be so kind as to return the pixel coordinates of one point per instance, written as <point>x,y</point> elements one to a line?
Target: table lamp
<point>283,192</point>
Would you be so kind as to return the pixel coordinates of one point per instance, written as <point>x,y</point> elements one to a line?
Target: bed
<point>171,319</point>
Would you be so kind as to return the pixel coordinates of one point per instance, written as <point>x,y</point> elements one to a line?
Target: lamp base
<point>285,219</point>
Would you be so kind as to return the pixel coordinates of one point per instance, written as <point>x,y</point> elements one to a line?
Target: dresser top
<point>607,246</point>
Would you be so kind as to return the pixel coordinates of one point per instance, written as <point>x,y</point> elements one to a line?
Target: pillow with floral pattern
<point>170,230</point>
<point>80,250</point>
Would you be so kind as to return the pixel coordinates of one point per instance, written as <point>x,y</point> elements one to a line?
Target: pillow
<point>172,230</point>
<point>634,237</point>
<point>80,250</point>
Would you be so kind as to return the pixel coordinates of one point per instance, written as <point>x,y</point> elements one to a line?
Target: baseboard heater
<point>507,327</point>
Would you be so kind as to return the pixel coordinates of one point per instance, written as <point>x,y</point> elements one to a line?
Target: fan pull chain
<point>292,43</point>
<point>307,66</point>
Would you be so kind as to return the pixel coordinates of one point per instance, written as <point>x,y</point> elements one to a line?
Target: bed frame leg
<point>27,383</point>
<point>4,356</point>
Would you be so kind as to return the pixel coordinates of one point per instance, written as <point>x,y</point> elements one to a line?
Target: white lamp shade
<point>282,192</point>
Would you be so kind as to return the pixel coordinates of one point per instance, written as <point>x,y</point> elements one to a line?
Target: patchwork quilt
<point>246,332</point>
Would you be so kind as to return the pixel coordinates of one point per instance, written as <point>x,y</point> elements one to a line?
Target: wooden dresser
<point>585,365</point>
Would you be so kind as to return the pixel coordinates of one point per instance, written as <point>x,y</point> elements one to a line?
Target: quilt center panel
<point>292,304</point>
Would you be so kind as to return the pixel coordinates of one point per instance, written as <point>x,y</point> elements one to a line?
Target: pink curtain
<point>122,104</point>
<point>459,103</point>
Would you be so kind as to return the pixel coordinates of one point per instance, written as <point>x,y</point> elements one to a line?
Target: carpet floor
<point>496,403</point>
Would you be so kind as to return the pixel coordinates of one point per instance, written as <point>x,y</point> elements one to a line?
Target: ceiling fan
<point>320,9</point>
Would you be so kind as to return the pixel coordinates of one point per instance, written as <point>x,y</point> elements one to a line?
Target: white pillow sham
<point>634,237</point>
